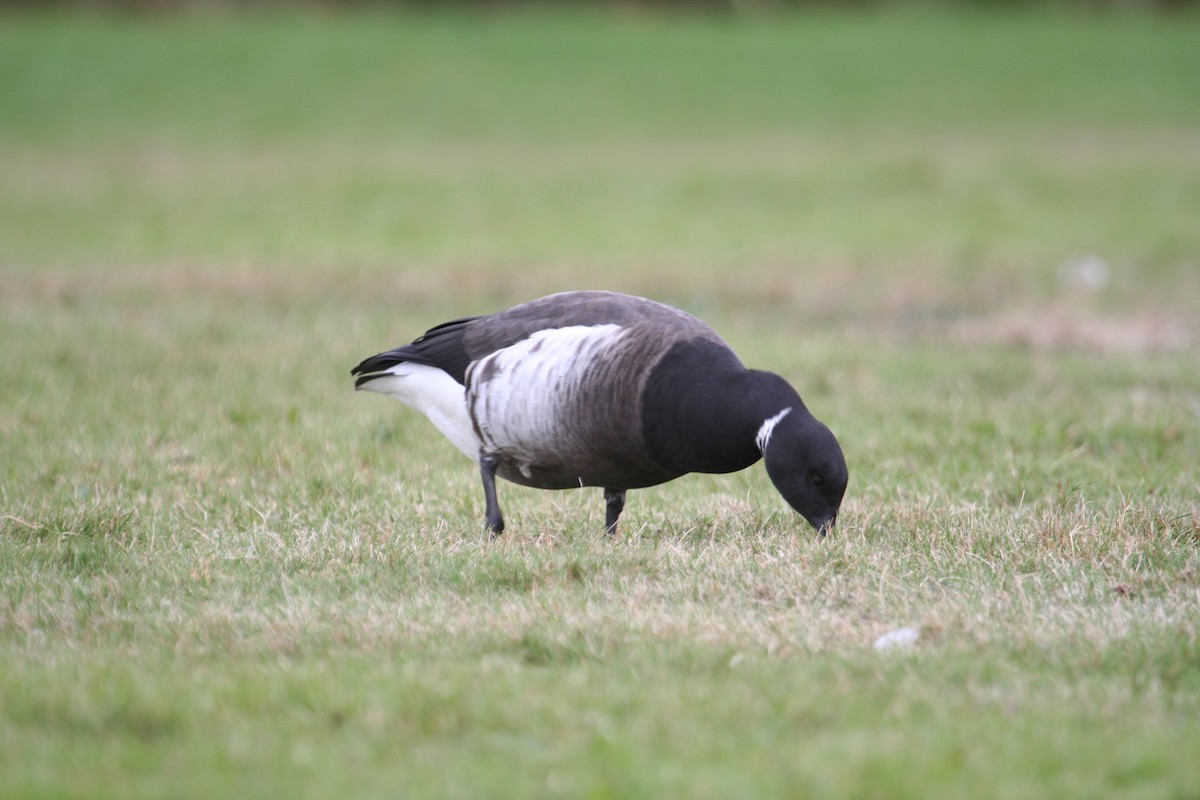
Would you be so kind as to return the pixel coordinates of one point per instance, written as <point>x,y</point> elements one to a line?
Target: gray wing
<point>564,408</point>
<point>485,335</point>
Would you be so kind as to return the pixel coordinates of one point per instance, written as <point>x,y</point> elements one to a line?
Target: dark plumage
<point>609,390</point>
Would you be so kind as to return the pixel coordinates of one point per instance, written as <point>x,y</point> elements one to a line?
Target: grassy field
<point>970,241</point>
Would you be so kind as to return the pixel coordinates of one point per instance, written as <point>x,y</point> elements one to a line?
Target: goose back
<point>556,387</point>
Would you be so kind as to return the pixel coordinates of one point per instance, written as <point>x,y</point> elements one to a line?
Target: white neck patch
<point>767,428</point>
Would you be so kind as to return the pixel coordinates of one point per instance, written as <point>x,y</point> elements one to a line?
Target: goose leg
<point>614,502</point>
<point>487,468</point>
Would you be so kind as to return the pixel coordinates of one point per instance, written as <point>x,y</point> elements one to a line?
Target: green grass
<point>226,574</point>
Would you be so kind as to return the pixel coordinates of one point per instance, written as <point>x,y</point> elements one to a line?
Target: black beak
<point>824,525</point>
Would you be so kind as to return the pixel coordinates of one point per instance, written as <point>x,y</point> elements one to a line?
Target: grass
<point>227,574</point>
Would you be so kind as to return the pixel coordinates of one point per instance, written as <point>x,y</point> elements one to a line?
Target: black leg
<point>614,502</point>
<point>487,468</point>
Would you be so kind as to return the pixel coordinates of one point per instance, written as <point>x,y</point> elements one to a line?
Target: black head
<point>806,464</point>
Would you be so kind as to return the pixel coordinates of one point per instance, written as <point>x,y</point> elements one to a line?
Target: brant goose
<point>605,389</point>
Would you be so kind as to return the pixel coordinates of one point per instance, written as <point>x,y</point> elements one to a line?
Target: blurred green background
<point>893,150</point>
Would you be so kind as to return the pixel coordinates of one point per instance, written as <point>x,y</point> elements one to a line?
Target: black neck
<point>702,409</point>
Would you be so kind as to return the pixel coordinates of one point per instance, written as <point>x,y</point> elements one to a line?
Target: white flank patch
<point>522,407</point>
<point>767,428</point>
<point>436,395</point>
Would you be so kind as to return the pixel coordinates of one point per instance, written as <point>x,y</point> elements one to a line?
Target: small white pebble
<point>898,639</point>
<point>1088,271</point>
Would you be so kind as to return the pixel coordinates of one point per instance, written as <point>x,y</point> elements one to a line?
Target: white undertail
<point>436,395</point>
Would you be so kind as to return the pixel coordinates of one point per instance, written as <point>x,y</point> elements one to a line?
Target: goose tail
<point>382,365</point>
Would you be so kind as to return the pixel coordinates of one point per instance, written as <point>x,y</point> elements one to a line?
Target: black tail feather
<point>440,347</point>
<point>382,361</point>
